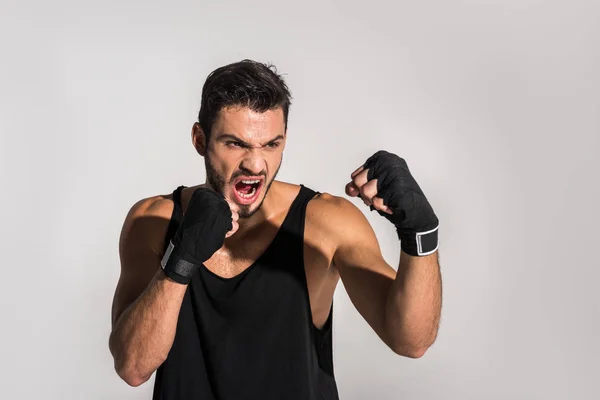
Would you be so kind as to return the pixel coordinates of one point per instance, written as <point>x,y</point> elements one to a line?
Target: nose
<point>253,163</point>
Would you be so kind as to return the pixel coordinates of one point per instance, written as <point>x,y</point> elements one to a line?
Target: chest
<point>241,253</point>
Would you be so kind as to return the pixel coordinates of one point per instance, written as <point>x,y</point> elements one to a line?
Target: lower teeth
<point>247,195</point>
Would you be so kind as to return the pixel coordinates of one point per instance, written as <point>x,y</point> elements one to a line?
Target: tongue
<point>243,187</point>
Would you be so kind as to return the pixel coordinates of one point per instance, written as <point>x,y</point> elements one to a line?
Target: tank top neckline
<point>268,249</point>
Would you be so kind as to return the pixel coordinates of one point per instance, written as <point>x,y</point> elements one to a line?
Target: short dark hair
<point>245,83</point>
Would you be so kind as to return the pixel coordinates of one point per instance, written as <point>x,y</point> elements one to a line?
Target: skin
<point>403,307</point>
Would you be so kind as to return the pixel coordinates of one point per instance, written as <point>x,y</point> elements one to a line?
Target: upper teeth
<point>251,182</point>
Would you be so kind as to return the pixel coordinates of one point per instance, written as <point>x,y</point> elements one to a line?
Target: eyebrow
<point>229,136</point>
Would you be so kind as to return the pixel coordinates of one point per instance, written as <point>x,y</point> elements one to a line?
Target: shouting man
<point>226,288</point>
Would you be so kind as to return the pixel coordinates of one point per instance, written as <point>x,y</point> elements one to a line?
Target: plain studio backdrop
<point>495,105</point>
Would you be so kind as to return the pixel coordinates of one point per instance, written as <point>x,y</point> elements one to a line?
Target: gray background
<point>494,105</point>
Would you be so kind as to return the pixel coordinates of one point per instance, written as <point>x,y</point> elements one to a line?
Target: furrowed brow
<point>229,136</point>
<point>276,138</point>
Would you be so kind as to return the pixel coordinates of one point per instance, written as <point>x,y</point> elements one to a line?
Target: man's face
<point>244,154</point>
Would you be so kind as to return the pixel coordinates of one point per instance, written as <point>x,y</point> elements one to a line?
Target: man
<point>226,288</point>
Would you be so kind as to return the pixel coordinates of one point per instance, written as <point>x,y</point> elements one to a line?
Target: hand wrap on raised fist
<point>202,232</point>
<point>414,219</point>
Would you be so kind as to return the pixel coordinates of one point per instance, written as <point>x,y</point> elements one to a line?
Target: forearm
<point>414,304</point>
<point>144,332</point>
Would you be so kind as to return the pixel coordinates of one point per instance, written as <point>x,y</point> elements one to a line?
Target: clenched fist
<point>386,185</point>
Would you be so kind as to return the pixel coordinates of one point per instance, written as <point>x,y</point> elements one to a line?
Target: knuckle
<point>365,191</point>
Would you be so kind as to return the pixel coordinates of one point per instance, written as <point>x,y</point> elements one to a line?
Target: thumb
<point>352,190</point>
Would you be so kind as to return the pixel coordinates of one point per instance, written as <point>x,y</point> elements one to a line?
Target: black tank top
<point>251,337</point>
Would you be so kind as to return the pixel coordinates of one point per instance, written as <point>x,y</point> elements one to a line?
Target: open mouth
<point>247,189</point>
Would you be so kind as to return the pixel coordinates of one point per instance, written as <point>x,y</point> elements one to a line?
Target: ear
<point>199,139</point>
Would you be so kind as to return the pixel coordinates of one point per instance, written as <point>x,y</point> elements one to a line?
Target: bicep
<point>140,250</point>
<point>366,276</point>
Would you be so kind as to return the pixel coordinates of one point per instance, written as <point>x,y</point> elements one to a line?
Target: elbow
<point>127,368</point>
<point>411,348</point>
<point>408,351</point>
<point>135,380</point>
<point>131,375</point>
<point>416,352</point>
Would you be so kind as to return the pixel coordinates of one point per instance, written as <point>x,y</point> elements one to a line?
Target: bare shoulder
<point>338,218</point>
<point>329,209</point>
<point>332,203</point>
<point>146,220</point>
<point>159,206</point>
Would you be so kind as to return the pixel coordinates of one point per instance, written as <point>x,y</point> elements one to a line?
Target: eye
<point>273,145</point>
<point>231,143</point>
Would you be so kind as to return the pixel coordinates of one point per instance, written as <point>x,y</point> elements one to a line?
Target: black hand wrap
<point>201,233</point>
<point>413,217</point>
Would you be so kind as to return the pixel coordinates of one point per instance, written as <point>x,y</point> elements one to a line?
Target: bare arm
<point>414,303</point>
<point>146,303</point>
<point>402,307</point>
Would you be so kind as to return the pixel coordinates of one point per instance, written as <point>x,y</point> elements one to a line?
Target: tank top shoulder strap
<point>293,224</point>
<point>176,216</point>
